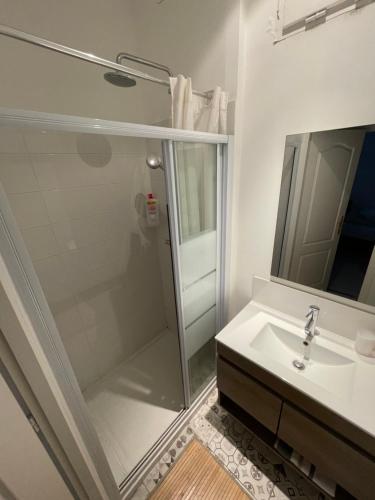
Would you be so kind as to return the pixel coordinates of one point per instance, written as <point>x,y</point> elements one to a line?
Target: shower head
<point>119,79</point>
<point>154,162</point>
<point>122,80</point>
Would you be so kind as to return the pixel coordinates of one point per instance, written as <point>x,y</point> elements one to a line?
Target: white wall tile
<point>99,254</point>
<point>11,141</point>
<point>55,278</point>
<point>83,234</point>
<point>44,171</point>
<point>64,171</point>
<point>107,344</point>
<point>100,199</point>
<point>124,168</point>
<point>54,203</point>
<point>77,203</point>
<point>96,169</point>
<point>104,305</point>
<point>48,141</point>
<point>79,275</point>
<point>104,276</point>
<point>82,358</point>
<point>68,318</point>
<point>29,209</point>
<point>76,233</point>
<point>16,174</point>
<point>69,171</point>
<point>58,171</point>
<point>41,242</point>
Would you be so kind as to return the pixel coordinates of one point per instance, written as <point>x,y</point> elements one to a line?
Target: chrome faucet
<point>310,330</point>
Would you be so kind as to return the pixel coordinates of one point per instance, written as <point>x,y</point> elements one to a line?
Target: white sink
<point>327,368</point>
<point>282,343</point>
<point>335,376</point>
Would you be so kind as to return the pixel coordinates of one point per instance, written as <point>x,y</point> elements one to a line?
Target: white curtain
<point>196,174</point>
<point>193,112</point>
<point>196,164</point>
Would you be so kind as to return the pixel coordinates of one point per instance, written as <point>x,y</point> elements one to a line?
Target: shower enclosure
<point>122,311</point>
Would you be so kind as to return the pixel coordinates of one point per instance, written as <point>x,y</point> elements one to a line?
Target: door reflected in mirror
<point>325,229</point>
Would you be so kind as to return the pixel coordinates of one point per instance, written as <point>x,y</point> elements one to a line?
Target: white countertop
<point>354,401</point>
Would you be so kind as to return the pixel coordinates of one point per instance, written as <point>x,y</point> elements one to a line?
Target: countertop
<point>356,403</point>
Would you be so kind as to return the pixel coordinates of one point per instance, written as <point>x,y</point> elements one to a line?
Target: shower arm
<point>130,57</point>
<point>86,56</point>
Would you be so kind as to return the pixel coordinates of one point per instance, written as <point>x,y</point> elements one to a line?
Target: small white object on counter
<point>365,343</point>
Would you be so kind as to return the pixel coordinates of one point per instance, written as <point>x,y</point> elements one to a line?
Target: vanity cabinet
<point>335,446</point>
<point>339,460</point>
<point>249,395</point>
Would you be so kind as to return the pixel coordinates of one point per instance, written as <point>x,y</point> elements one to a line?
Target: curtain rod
<point>85,56</point>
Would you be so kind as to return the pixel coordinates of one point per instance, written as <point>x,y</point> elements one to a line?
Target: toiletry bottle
<point>152,210</point>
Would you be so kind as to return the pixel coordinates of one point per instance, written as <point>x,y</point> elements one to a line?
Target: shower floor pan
<point>135,403</point>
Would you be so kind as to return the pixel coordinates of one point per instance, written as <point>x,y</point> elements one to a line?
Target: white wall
<point>26,471</point>
<point>74,196</point>
<point>195,38</point>
<point>320,79</point>
<point>37,79</point>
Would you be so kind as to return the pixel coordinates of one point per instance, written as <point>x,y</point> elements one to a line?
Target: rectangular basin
<point>283,343</point>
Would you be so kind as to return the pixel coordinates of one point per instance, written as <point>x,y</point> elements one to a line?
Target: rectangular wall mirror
<point>325,229</point>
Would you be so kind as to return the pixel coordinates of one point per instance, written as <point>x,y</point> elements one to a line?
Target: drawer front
<point>337,459</point>
<point>249,395</point>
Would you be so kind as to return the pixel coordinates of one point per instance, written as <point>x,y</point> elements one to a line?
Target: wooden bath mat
<point>197,475</point>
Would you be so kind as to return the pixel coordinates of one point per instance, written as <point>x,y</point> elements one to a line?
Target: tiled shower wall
<point>78,201</point>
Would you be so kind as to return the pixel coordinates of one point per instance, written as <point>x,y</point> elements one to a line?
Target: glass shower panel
<point>196,180</point>
<point>79,201</point>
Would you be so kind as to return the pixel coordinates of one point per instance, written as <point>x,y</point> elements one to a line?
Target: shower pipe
<point>86,56</point>
<point>147,62</point>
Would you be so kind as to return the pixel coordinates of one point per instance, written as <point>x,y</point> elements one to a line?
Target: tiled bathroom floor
<point>254,465</point>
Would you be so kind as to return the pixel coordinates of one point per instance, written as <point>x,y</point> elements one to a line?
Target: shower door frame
<point>174,223</point>
<point>39,349</point>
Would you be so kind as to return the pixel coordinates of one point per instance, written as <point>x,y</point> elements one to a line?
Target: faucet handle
<point>312,310</point>
<point>315,308</point>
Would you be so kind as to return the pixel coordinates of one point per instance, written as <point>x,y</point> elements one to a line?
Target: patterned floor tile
<point>254,465</point>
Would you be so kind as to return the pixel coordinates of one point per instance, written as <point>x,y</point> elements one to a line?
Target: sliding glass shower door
<point>120,266</point>
<point>197,174</point>
<point>93,218</point>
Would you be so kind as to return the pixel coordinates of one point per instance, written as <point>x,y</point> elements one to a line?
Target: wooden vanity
<point>266,403</point>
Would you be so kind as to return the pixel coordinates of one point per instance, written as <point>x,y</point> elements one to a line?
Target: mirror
<point>325,228</point>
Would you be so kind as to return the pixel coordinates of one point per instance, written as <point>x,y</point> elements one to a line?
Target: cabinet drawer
<point>249,395</point>
<point>336,458</point>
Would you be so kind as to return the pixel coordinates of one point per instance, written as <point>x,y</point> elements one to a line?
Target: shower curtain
<point>197,164</point>
<point>196,177</point>
<point>193,112</point>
